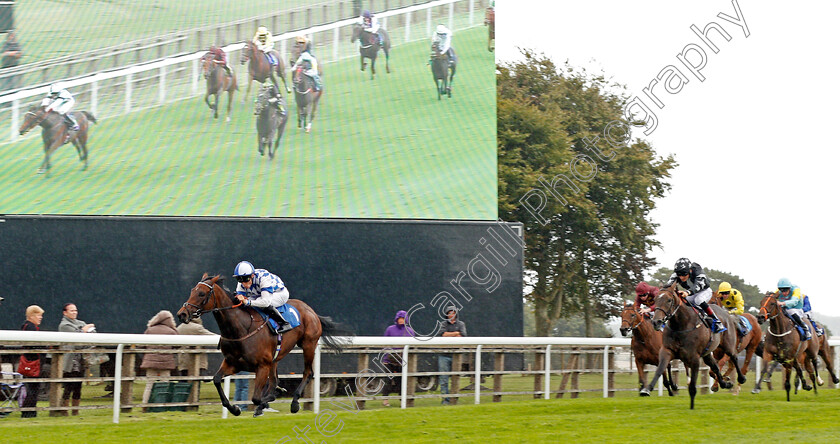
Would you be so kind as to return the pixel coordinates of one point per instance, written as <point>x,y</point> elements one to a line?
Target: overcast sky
<point>754,193</point>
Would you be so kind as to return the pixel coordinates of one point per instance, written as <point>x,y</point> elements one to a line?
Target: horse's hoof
<point>258,412</point>
<point>742,379</point>
<point>755,391</point>
<point>715,388</point>
<point>295,407</point>
<point>644,392</point>
<point>235,410</point>
<point>227,119</point>
<point>835,380</point>
<point>727,385</point>
<point>820,381</point>
<point>288,91</point>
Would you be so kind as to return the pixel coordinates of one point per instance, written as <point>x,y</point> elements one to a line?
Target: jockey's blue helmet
<point>784,283</point>
<point>366,14</point>
<point>56,88</point>
<point>243,268</point>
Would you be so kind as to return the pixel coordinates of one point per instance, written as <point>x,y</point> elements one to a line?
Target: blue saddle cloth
<point>288,312</point>
<point>273,62</point>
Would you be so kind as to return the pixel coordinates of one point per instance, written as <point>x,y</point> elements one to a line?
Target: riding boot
<point>76,404</point>
<point>71,122</point>
<point>282,325</point>
<point>817,328</point>
<point>717,326</point>
<point>802,325</point>
<point>227,70</point>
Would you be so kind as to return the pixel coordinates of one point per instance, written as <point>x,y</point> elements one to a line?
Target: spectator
<point>195,327</point>
<point>34,315</point>
<point>158,364</point>
<point>241,387</point>
<point>392,385</point>
<point>12,52</point>
<point>74,366</point>
<point>451,327</point>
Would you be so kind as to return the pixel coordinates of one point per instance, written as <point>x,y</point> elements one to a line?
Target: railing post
<point>94,98</point>
<point>429,22</point>
<point>316,370</point>
<point>195,75</point>
<point>404,382</point>
<point>162,85</point>
<point>336,41</point>
<point>661,385</point>
<point>471,11</point>
<point>758,370</point>
<point>499,366</point>
<point>547,390</point>
<point>128,79</point>
<point>477,383</point>
<point>407,28</point>
<point>56,372</point>
<point>117,383</point>
<point>451,15</point>
<point>226,390</point>
<point>606,368</point>
<point>127,397</point>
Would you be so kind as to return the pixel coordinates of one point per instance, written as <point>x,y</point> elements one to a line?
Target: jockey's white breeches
<point>62,109</point>
<point>699,298</point>
<point>790,311</point>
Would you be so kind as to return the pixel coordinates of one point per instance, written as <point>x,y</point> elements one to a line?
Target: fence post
<point>539,363</point>
<point>428,22</point>
<point>162,85</point>
<point>361,365</point>
<point>606,367</point>
<point>704,376</point>
<point>336,41</point>
<point>226,390</point>
<point>611,377</point>
<point>497,377</point>
<point>412,380</point>
<point>407,28</point>
<point>94,98</point>
<point>56,371</point>
<point>471,8</point>
<point>193,369</point>
<point>455,380</point>
<point>316,370</point>
<point>127,396</point>
<point>128,79</point>
<point>575,376</point>
<point>477,383</point>
<point>547,390</point>
<point>404,384</point>
<point>117,383</point>
<point>451,15</point>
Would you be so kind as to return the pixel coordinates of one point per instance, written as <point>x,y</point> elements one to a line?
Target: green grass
<point>717,418</point>
<point>384,148</point>
<point>53,28</point>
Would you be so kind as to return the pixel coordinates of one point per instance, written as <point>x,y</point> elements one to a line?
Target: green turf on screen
<point>378,149</point>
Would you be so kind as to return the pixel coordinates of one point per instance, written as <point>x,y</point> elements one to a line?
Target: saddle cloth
<point>288,312</point>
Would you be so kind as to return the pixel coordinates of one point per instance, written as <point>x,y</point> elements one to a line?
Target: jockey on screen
<point>308,61</point>
<point>371,24</point>
<point>61,101</point>
<point>220,58</point>
<point>694,286</point>
<point>645,298</point>
<point>443,37</point>
<point>264,41</point>
<point>263,290</point>
<point>791,301</point>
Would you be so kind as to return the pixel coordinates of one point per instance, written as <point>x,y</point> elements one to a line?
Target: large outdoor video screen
<point>382,147</point>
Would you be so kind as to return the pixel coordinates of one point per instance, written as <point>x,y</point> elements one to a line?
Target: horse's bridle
<point>767,312</point>
<point>198,310</point>
<point>38,121</point>
<point>668,316</point>
<point>638,316</point>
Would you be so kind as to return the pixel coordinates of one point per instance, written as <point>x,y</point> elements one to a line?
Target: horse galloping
<point>306,98</point>
<point>443,70</point>
<point>55,132</point>
<point>690,340</point>
<point>645,343</point>
<point>218,82</point>
<point>784,345</point>
<point>270,123</point>
<point>260,69</point>
<point>248,345</point>
<point>369,46</point>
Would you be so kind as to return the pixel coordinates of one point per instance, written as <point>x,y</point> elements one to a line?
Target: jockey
<point>306,58</point>
<point>263,40</point>
<point>806,308</point>
<point>731,299</point>
<point>371,24</point>
<point>791,302</point>
<point>695,288</point>
<point>443,37</point>
<point>646,295</point>
<point>274,98</point>
<point>220,58</point>
<point>61,101</point>
<point>260,289</point>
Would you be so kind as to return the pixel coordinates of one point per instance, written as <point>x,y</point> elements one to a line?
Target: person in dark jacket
<point>392,385</point>
<point>451,327</point>
<point>158,364</point>
<point>34,315</point>
<point>74,365</point>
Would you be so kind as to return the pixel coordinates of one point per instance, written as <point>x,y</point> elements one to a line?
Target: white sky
<point>758,164</point>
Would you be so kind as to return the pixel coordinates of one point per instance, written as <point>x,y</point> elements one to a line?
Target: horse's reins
<point>639,317</point>
<point>769,318</point>
<point>199,312</point>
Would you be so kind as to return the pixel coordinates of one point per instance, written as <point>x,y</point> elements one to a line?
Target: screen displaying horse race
<point>221,108</point>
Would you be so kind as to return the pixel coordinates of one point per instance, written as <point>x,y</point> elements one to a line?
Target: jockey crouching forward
<point>262,290</point>
<point>220,58</point>
<point>371,24</point>
<point>443,37</point>
<point>694,285</point>
<point>646,299</point>
<point>308,62</point>
<point>733,301</point>
<point>791,302</point>
<point>61,101</point>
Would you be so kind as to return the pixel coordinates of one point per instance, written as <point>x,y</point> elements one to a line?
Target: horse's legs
<point>640,367</point>
<point>787,380</point>
<point>710,361</point>
<point>361,60</point>
<point>665,356</point>
<point>216,105</point>
<point>825,352</point>
<point>45,165</point>
<point>308,347</point>
<point>280,128</point>
<point>207,100</point>
<point>692,385</point>
<point>372,68</point>
<point>230,100</point>
<point>225,370</point>
<point>263,388</point>
<point>387,50</point>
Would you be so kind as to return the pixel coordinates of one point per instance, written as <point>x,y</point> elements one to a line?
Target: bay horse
<point>783,344</point>
<point>270,123</point>
<point>306,98</point>
<point>645,343</point>
<point>369,47</point>
<point>55,133</point>
<point>248,345</point>
<point>490,22</point>
<point>260,69</point>
<point>443,71</point>
<point>751,344</point>
<point>218,82</point>
<point>688,339</point>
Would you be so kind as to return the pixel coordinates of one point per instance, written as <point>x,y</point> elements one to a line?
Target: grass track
<point>717,418</point>
<point>382,148</point>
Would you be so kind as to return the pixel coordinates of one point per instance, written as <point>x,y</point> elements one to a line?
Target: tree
<point>584,203</point>
<point>752,295</point>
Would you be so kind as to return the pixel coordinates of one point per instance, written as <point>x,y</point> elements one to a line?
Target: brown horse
<point>218,82</point>
<point>369,47</point>
<point>784,345</point>
<point>490,21</point>
<point>55,132</point>
<point>306,98</point>
<point>248,345</point>
<point>645,343</point>
<point>689,340</point>
<point>751,343</point>
<point>260,69</point>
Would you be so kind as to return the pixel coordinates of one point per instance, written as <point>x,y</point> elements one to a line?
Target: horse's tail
<point>90,116</point>
<point>335,335</point>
